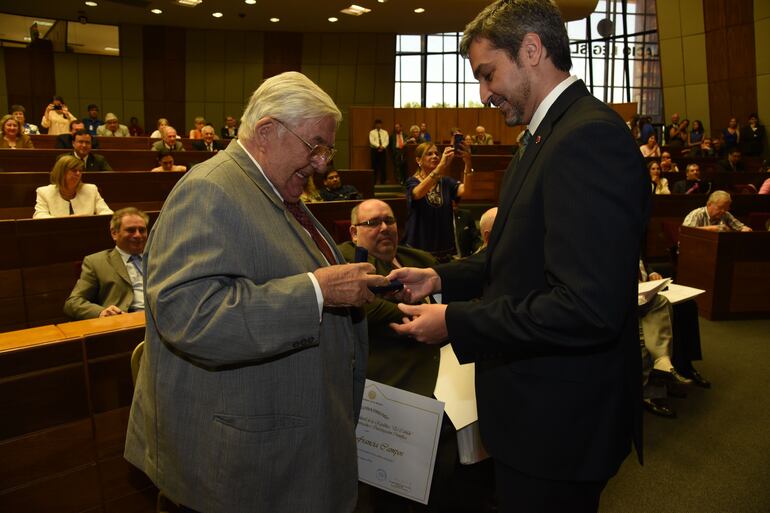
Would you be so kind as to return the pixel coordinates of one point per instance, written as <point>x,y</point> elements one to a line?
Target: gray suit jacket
<point>158,146</point>
<point>244,401</point>
<point>103,282</point>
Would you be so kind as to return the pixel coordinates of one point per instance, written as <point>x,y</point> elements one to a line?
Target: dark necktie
<point>209,148</point>
<point>304,219</point>
<point>379,137</point>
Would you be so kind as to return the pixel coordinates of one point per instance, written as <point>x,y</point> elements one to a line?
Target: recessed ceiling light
<point>43,23</point>
<point>275,20</point>
<point>381,1</point>
<point>333,19</point>
<point>419,10</point>
<point>355,10</point>
<point>217,14</point>
<point>250,2</point>
<point>156,11</point>
<point>91,4</point>
<point>189,3</point>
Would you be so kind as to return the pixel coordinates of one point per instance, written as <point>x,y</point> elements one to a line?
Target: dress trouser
<point>686,347</point>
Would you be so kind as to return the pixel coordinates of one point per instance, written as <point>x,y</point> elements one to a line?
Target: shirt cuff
<point>318,295</point>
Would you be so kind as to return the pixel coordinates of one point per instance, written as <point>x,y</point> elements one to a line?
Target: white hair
<point>718,196</point>
<point>290,97</point>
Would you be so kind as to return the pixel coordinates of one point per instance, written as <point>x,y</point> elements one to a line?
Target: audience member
<point>485,226</point>
<point>645,128</point>
<point>67,141</point>
<point>692,184</point>
<point>720,148</point>
<point>414,135</point>
<point>67,195</point>
<point>731,134</point>
<point>133,127</point>
<point>429,196</point>
<point>715,216</point>
<point>398,153</point>
<point>659,183</point>
<point>633,126</point>
<point>378,145</point>
<point>207,141</point>
<point>57,117</point>
<point>310,192</point>
<point>705,149</point>
<point>469,141</point>
<point>169,141</point>
<point>18,111</point>
<point>92,122</point>
<point>83,144</point>
<point>467,238</point>
<point>111,280</point>
<point>166,162</point>
<point>666,164</point>
<point>651,149</point>
<point>696,134</point>
<point>13,134</point>
<point>230,130</point>
<point>112,127</point>
<point>679,137</point>
<point>424,134</point>
<point>686,347</point>
<point>333,190</point>
<point>753,137</point>
<point>672,130</point>
<point>233,313</point>
<point>196,133</point>
<point>482,137</point>
<point>162,123</point>
<point>733,162</point>
<point>765,187</point>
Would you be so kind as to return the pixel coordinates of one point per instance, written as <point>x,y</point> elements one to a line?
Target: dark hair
<point>162,153</point>
<point>92,106</point>
<point>506,22</point>
<point>76,121</point>
<point>17,108</point>
<point>58,98</point>
<point>82,131</point>
<point>328,171</point>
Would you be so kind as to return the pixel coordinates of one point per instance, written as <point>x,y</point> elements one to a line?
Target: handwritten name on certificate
<point>397,438</point>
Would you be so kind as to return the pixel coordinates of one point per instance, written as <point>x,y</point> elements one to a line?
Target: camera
<point>57,107</point>
<point>458,140</point>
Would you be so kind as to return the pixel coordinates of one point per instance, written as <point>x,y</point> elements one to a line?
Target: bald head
<point>485,224</point>
<point>373,226</point>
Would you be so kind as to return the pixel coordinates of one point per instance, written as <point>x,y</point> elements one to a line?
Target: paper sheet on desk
<point>678,293</point>
<point>648,289</point>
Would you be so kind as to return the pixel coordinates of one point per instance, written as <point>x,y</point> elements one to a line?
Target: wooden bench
<point>119,160</point>
<point>66,392</point>
<point>110,143</point>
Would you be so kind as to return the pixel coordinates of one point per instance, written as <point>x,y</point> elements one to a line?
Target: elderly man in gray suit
<point>252,377</point>
<point>111,281</point>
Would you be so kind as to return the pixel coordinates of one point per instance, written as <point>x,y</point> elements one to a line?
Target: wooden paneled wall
<point>29,78</point>
<point>164,75</point>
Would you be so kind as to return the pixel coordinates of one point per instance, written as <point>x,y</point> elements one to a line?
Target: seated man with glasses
<point>333,190</point>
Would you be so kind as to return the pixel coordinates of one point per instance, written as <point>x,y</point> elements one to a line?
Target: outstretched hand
<point>425,323</point>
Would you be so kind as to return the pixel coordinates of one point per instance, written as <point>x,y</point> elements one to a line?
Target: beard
<point>515,114</point>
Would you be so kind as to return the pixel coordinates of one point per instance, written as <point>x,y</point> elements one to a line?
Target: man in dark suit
<point>82,145</point>
<point>733,161</point>
<point>111,281</point>
<point>208,143</point>
<point>467,238</point>
<point>67,140</point>
<point>555,332</point>
<point>692,184</point>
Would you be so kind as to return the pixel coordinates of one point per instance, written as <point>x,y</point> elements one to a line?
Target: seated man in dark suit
<point>82,144</point>
<point>397,360</point>
<point>333,190</point>
<point>733,161</point>
<point>168,140</point>
<point>207,143</point>
<point>467,239</point>
<point>692,184</point>
<point>111,281</point>
<point>67,140</point>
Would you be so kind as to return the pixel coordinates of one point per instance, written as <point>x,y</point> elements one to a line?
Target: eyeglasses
<point>320,153</point>
<point>377,221</point>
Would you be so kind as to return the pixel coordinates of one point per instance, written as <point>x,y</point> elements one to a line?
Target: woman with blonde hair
<point>67,195</point>
<point>195,133</point>
<point>12,134</point>
<point>429,197</point>
<point>158,133</point>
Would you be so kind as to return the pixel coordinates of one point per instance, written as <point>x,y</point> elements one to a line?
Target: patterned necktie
<point>304,219</point>
<point>137,261</point>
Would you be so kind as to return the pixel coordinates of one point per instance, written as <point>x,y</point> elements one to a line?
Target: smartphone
<point>362,255</point>
<point>458,141</point>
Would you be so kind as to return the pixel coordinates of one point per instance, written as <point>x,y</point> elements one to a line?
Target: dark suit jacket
<point>94,162</point>
<point>555,335</point>
<point>65,141</point>
<point>682,186</point>
<point>200,145</point>
<point>466,233</point>
<point>103,282</point>
<point>724,165</point>
<point>394,360</point>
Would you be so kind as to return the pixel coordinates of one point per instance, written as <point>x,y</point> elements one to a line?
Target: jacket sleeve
<point>42,209</point>
<point>81,302</point>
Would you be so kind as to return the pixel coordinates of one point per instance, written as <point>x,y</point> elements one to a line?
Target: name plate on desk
<point>397,437</point>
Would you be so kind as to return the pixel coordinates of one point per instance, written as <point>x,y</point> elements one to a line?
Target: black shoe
<point>659,408</point>
<point>678,378</point>
<point>699,380</point>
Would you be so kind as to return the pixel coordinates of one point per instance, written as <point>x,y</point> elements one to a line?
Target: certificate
<point>397,437</point>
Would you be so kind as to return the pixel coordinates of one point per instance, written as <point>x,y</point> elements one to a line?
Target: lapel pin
<point>537,140</point>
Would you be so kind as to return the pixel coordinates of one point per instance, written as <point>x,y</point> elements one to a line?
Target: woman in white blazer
<point>68,195</point>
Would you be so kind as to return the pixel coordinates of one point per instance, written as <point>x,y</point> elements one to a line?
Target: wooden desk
<point>102,325</point>
<point>733,268</point>
<point>14,340</point>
